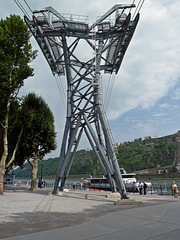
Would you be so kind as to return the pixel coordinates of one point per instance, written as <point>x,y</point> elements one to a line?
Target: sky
<point>145,98</point>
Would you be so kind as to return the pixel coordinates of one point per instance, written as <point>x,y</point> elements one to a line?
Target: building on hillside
<point>150,137</point>
<point>117,144</point>
<point>169,138</point>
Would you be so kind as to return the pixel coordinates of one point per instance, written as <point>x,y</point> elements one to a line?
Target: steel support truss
<point>59,37</point>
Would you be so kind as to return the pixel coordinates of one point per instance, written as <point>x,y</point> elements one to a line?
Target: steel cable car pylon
<point>59,37</point>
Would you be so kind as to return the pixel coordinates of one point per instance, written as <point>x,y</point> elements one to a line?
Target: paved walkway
<point>88,215</point>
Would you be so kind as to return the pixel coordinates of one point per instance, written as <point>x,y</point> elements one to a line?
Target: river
<point>159,185</point>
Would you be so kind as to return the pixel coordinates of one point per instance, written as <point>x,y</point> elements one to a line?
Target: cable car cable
<point>21,8</point>
<point>28,6</point>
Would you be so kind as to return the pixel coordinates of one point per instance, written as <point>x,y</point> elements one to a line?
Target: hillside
<point>49,168</point>
<point>139,154</point>
<point>84,163</point>
<point>156,153</point>
<point>132,156</point>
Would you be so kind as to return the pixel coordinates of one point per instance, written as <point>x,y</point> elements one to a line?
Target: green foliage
<point>140,154</point>
<point>85,162</point>
<point>15,126</point>
<point>39,136</point>
<point>16,54</point>
<point>131,156</point>
<point>49,168</point>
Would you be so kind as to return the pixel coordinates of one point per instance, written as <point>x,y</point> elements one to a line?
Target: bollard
<point>86,196</point>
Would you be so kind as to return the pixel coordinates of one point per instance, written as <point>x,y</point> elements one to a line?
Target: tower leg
<point>65,155</point>
<point>107,164</point>
<point>111,153</point>
<point>103,166</point>
<point>62,155</point>
<point>68,167</point>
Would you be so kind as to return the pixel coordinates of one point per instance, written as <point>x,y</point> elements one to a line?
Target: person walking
<point>74,185</point>
<point>145,188</point>
<point>140,188</point>
<point>175,190</point>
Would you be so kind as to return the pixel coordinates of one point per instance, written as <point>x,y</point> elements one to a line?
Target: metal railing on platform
<point>158,189</point>
<point>154,189</point>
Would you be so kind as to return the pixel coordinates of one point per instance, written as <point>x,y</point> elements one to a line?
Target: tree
<point>39,135</point>
<point>15,55</point>
<point>15,130</point>
<point>18,121</point>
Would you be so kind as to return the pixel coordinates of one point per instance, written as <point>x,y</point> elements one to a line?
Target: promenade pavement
<point>83,215</point>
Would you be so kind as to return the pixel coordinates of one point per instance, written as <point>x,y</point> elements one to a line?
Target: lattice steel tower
<point>59,37</point>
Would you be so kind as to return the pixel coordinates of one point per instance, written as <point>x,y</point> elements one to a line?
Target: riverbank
<point>24,212</point>
<point>158,176</point>
<point>84,176</point>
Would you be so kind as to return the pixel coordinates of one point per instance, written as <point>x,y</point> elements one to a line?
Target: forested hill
<point>132,156</point>
<point>84,163</point>
<point>138,155</point>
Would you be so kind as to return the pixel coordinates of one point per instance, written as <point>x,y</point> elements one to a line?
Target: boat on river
<point>101,183</point>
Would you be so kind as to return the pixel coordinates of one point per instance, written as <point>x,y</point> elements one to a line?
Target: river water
<point>154,181</point>
<point>159,186</point>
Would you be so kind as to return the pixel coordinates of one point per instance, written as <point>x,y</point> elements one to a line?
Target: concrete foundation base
<point>113,195</point>
<point>128,202</point>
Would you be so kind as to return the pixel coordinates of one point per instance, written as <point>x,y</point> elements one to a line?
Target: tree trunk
<point>15,149</point>
<point>5,147</point>
<point>2,167</point>
<point>34,173</point>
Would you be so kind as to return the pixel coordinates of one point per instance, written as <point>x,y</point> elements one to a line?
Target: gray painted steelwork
<point>59,37</point>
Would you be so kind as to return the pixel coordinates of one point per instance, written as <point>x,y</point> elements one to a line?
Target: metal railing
<point>157,189</point>
<point>154,189</point>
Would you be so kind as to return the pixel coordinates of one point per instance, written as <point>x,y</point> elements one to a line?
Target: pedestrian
<point>81,186</point>
<point>140,188</point>
<point>74,185</point>
<point>175,190</point>
<point>43,183</point>
<point>40,183</point>
<point>145,188</point>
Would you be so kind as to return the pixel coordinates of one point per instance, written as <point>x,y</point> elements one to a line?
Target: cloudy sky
<point>145,98</point>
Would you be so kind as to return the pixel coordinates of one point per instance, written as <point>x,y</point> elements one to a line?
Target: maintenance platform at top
<point>47,25</point>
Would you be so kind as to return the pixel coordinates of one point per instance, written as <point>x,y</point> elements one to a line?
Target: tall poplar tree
<point>15,56</point>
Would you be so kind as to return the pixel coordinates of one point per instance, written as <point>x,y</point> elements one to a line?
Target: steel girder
<point>108,41</point>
